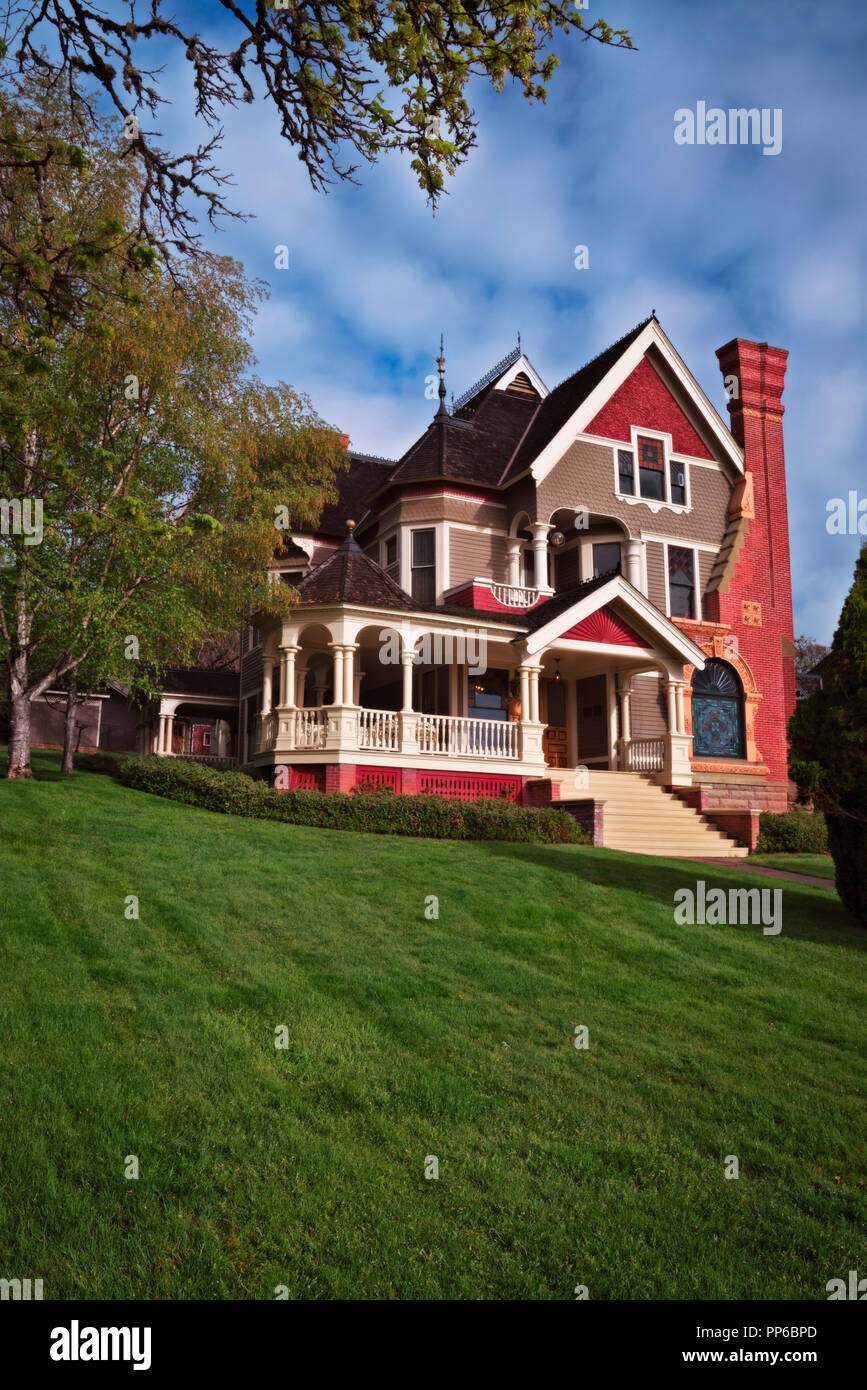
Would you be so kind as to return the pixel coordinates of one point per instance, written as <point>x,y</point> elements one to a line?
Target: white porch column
<point>287,676</point>
<point>170,724</point>
<point>534,694</point>
<point>357,679</point>
<point>161,734</point>
<point>540,531</point>
<point>672,707</point>
<point>625,703</point>
<point>633,563</point>
<point>337,653</point>
<point>513,560</point>
<point>349,673</point>
<point>406,660</point>
<point>524,677</point>
<point>267,684</point>
<point>678,694</point>
<point>300,684</point>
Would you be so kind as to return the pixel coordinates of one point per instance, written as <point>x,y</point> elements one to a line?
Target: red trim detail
<point>605,626</point>
<point>307,779</point>
<point>468,786</point>
<point>379,777</point>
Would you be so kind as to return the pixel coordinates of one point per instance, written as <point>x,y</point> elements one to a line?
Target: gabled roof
<point>554,618</point>
<point>350,576</point>
<point>561,403</point>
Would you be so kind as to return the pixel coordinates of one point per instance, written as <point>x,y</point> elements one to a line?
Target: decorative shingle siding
<point>584,476</point>
<point>656,574</point>
<point>473,553</point>
<point>647,707</point>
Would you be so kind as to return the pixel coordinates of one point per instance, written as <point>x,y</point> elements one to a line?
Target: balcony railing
<point>514,596</point>
<point>442,735</point>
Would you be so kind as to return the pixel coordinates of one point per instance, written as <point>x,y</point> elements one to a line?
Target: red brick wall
<point>763,573</point>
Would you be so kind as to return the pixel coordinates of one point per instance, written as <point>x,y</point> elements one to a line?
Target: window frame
<point>696,616</point>
<point>671,459</point>
<point>414,568</point>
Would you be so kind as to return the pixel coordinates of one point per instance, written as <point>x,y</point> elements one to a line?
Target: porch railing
<point>378,729</point>
<point>310,728</point>
<point>646,755</point>
<point>480,738</point>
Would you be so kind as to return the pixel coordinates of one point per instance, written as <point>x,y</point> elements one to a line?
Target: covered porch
<point>551,689</point>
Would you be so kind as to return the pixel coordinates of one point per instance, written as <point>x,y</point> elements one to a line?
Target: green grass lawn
<point>815,865</point>
<point>410,1037</point>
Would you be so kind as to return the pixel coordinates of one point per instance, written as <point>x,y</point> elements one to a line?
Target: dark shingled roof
<point>553,412</point>
<point>185,680</point>
<point>474,450</point>
<point>350,576</point>
<point>365,475</point>
<point>552,607</point>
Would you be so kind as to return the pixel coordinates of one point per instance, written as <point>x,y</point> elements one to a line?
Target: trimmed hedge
<point>378,813</point>
<point>792,832</point>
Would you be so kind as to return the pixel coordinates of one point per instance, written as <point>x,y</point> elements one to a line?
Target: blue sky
<point>721,241</point>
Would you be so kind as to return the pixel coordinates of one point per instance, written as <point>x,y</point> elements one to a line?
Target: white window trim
<point>668,457</point>
<point>437,529</point>
<point>696,574</point>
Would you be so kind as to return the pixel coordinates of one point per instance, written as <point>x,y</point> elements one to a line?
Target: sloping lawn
<point>409,1038</point>
<point>814,865</point>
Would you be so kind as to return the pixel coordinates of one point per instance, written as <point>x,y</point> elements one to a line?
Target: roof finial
<point>519,340</point>
<point>441,368</point>
<point>653,313</point>
<point>350,526</point>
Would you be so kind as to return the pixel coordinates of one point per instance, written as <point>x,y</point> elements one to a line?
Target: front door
<point>592,719</point>
<point>555,741</point>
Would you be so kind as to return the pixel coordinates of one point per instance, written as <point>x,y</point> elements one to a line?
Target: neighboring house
<point>617,554</point>
<point>104,719</point>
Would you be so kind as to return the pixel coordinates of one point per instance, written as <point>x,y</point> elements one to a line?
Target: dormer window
<point>651,468</point>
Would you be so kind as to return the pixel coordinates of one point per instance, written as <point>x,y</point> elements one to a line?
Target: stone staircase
<point>645,819</point>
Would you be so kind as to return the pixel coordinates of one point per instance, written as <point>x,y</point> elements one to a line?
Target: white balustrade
<point>646,755</point>
<point>310,728</point>
<point>479,738</point>
<point>378,729</point>
<point>514,596</point>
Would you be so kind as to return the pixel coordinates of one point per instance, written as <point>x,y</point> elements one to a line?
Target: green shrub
<point>104,762</point>
<point>434,817</point>
<point>792,832</point>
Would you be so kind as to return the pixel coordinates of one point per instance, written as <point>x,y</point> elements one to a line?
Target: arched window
<point>717,711</point>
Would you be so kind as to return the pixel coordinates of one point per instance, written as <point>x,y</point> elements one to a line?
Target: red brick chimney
<point>758,600</point>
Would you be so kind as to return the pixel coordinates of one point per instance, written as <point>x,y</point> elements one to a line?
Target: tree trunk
<point>69,728</point>
<point>18,764</point>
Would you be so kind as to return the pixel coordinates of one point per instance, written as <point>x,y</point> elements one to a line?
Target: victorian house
<point>577,596</point>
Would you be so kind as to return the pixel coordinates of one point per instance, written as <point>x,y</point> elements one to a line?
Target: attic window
<point>522,386</point>
<point>389,558</point>
<point>651,467</point>
<point>626,471</point>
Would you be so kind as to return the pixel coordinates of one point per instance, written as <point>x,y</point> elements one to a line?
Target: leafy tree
<point>828,736</point>
<point>322,69</point>
<point>157,459</point>
<point>807,653</point>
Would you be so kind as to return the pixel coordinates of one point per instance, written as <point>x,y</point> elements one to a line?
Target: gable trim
<point>650,336</point>
<point>644,611</point>
<point>522,364</point>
